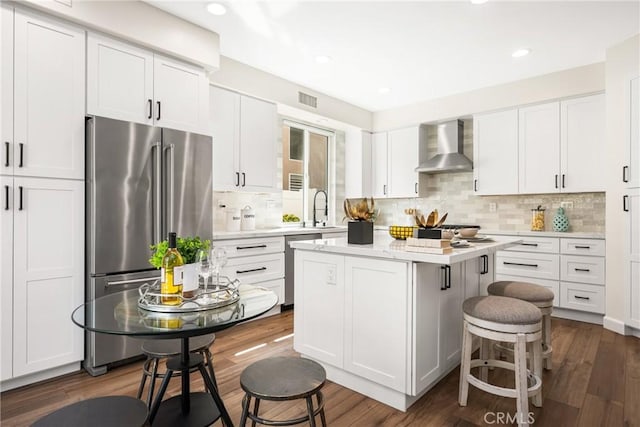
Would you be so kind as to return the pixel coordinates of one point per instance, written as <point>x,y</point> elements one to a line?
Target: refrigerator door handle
<point>170,153</point>
<point>156,213</point>
<point>125,282</point>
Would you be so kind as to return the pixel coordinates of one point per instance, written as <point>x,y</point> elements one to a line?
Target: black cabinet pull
<point>244,179</point>
<point>562,180</point>
<point>529,244</point>
<point>582,247</point>
<point>384,189</point>
<point>6,197</point>
<point>150,108</point>
<point>625,170</point>
<point>237,179</point>
<point>582,269</point>
<point>443,285</point>
<point>579,297</point>
<point>251,247</point>
<point>625,199</point>
<point>6,153</point>
<point>415,187</point>
<point>521,264</point>
<point>251,270</point>
<point>556,180</point>
<point>21,154</point>
<point>475,185</point>
<point>20,204</point>
<point>485,264</point>
<point>159,109</point>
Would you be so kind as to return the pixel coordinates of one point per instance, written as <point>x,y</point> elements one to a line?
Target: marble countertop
<point>277,231</point>
<point>384,246</point>
<point>566,234</point>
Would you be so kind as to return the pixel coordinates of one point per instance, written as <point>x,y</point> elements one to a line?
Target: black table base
<point>188,409</point>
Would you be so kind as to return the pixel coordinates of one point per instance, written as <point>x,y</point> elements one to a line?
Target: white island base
<point>382,321</point>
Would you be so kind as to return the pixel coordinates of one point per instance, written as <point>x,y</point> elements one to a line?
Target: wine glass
<point>218,260</point>
<point>203,265</point>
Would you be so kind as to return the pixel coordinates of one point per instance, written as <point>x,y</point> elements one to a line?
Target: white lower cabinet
<point>632,259</point>
<point>46,219</point>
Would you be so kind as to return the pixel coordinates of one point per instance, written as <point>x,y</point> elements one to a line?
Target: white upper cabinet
<point>582,143</point>
<point>379,186</point>
<point>539,148</point>
<point>357,165</point>
<point>495,153</point>
<point>403,158</point>
<point>129,83</point>
<point>631,170</point>
<point>46,138</point>
<point>244,141</point>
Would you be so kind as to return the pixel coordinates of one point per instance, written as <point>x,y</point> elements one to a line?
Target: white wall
<point>142,24</point>
<point>575,81</point>
<point>622,64</point>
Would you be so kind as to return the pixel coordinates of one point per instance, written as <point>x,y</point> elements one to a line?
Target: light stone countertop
<point>384,246</point>
<point>276,231</point>
<point>566,234</point>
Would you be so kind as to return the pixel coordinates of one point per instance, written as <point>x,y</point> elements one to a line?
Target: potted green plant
<point>188,248</point>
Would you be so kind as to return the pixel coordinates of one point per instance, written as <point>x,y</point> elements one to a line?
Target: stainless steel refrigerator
<point>141,182</point>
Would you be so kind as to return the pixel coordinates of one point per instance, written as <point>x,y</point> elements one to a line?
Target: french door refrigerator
<point>141,182</point>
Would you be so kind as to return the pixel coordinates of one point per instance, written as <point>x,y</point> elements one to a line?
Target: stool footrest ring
<point>502,391</point>
<point>299,420</point>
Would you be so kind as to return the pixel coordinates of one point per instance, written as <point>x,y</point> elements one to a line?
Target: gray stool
<point>160,349</point>
<point>507,320</point>
<point>279,379</point>
<point>109,411</point>
<point>537,295</point>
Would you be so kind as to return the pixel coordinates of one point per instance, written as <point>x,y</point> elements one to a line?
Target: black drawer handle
<point>521,264</point>
<point>556,181</point>
<point>530,244</point>
<point>159,109</point>
<point>625,199</point>
<point>251,247</point>
<point>6,197</point>
<point>251,270</point>
<point>582,269</point>
<point>150,108</point>
<point>6,153</point>
<point>582,247</point>
<point>625,178</point>
<point>237,179</point>
<point>244,179</point>
<point>475,185</point>
<point>20,203</point>
<point>446,282</point>
<point>21,155</point>
<point>579,297</point>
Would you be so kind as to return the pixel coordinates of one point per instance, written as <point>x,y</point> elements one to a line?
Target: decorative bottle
<point>560,221</point>
<point>171,274</point>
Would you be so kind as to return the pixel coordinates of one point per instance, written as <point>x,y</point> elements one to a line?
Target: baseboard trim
<point>39,376</point>
<point>615,325</point>
<point>580,316</point>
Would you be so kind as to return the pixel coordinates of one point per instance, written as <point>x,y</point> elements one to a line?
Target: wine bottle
<point>171,282</point>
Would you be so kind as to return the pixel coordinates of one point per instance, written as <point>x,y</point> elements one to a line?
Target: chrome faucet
<point>326,206</point>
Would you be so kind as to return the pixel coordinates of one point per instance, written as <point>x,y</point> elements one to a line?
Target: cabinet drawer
<point>552,285</point>
<point>276,286</point>
<point>584,297</point>
<point>254,269</point>
<point>258,246</point>
<point>582,247</point>
<point>548,245</point>
<point>582,269</point>
<point>524,264</point>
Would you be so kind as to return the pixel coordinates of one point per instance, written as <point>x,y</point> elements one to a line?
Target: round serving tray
<point>223,294</point>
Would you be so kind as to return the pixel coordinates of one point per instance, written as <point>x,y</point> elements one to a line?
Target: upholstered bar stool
<point>161,349</point>
<point>280,379</point>
<point>507,320</point>
<point>537,295</point>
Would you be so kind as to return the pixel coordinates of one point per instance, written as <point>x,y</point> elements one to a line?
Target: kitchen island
<point>384,321</point>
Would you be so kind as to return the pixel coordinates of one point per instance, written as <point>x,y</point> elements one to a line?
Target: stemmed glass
<point>203,266</point>
<point>218,260</point>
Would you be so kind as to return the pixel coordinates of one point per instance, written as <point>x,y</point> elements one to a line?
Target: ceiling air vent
<point>307,99</point>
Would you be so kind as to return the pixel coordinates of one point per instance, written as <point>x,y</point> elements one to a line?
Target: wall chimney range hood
<point>449,157</point>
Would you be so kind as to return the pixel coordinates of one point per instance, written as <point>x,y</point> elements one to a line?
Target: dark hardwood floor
<point>595,381</point>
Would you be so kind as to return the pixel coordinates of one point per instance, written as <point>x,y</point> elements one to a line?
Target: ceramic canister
<point>248,222</point>
<point>233,219</point>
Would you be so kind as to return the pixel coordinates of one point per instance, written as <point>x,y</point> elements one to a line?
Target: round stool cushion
<point>283,378</point>
<point>503,310</point>
<point>111,411</point>
<point>521,290</point>
<point>173,347</point>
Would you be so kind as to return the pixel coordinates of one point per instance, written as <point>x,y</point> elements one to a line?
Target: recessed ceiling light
<point>384,90</point>
<point>216,9</point>
<point>478,1</point>
<point>520,53</point>
<point>323,59</point>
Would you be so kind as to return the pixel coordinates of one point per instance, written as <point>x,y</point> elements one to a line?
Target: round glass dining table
<point>119,314</point>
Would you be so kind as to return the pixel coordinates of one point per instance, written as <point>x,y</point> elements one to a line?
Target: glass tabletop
<point>119,314</point>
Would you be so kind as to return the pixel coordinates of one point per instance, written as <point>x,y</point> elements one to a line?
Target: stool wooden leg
<point>256,406</point>
<point>246,401</point>
<point>520,359</point>
<point>546,338</point>
<point>484,355</point>
<point>465,365</point>
<point>312,419</point>
<point>537,370</point>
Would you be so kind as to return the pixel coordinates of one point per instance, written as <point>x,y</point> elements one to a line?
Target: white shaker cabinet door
<point>403,158</point>
<point>119,80</point>
<point>379,171</point>
<point>224,113</point>
<point>632,168</point>
<point>6,278</point>
<point>582,142</point>
<point>539,149</point>
<point>632,261</point>
<point>6,89</point>
<point>48,273</point>
<point>49,98</point>
<point>258,163</point>
<point>495,153</point>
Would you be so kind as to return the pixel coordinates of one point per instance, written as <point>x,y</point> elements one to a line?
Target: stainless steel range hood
<point>449,157</point>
